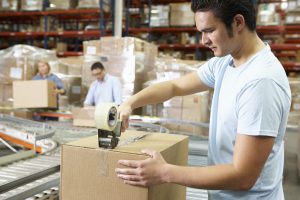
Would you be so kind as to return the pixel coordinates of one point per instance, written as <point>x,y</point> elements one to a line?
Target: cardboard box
<point>83,116</point>
<point>61,47</point>
<point>31,5</point>
<point>87,171</point>
<point>34,94</point>
<point>91,47</point>
<point>94,4</point>
<point>72,86</point>
<point>181,14</point>
<point>9,5</point>
<point>59,4</point>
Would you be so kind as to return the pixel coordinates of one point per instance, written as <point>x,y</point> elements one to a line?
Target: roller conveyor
<point>44,184</point>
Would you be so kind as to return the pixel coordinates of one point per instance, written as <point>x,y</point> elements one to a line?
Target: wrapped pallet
<point>18,63</point>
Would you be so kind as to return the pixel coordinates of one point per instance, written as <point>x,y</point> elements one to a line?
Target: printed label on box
<point>16,72</point>
<point>76,89</point>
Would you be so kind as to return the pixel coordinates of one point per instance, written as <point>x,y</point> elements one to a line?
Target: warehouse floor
<point>291,182</point>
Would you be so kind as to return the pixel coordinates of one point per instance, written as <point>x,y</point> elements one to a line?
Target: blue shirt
<point>108,90</point>
<point>51,77</point>
<point>252,99</point>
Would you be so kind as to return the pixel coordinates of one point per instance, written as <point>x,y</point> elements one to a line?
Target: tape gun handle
<point>118,128</point>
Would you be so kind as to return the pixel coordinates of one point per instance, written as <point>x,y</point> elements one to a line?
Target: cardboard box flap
<point>128,144</point>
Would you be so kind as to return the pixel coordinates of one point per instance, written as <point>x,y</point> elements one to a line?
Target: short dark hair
<point>225,10</point>
<point>97,65</point>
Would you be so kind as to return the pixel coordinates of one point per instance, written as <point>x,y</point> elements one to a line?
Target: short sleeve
<point>260,106</point>
<point>59,83</point>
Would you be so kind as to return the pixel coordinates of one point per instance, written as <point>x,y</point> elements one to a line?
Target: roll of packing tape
<point>106,116</point>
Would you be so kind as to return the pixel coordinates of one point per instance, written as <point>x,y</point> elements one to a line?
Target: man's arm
<point>185,85</point>
<point>89,100</point>
<point>163,91</point>
<point>250,155</point>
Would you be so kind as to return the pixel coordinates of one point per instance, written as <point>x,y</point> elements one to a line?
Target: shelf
<point>65,34</point>
<point>285,54</point>
<point>182,47</point>
<point>69,53</point>
<point>74,14</point>
<point>285,47</point>
<point>291,66</point>
<point>162,29</point>
<point>49,12</point>
<point>155,2</point>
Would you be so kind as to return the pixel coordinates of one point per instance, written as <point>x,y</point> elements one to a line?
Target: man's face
<point>214,33</point>
<point>43,68</point>
<point>98,74</point>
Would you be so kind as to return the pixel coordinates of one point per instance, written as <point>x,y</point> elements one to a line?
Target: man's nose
<point>205,40</point>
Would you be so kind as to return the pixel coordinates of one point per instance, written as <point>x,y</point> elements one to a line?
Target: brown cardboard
<point>31,5</point>
<point>72,86</point>
<point>67,4</point>
<point>34,94</point>
<point>181,14</point>
<point>87,172</point>
<point>91,47</point>
<point>83,116</point>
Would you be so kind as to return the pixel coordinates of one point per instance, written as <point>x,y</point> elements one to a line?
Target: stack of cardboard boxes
<point>181,14</point>
<point>192,108</point>
<point>159,16</point>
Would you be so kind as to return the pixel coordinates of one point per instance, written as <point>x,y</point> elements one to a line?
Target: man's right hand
<point>124,111</point>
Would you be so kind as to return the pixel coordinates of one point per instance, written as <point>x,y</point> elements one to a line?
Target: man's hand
<point>150,171</point>
<point>124,111</point>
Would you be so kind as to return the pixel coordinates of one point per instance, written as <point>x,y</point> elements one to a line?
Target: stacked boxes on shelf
<point>31,5</point>
<point>192,108</point>
<point>159,16</point>
<point>181,14</point>
<point>63,5</point>
<point>9,5</point>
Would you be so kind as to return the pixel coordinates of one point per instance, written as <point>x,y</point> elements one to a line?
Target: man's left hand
<point>150,171</point>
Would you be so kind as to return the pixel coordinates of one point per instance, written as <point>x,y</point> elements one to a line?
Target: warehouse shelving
<point>62,17</point>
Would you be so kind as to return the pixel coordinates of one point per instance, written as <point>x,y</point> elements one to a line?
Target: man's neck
<point>249,47</point>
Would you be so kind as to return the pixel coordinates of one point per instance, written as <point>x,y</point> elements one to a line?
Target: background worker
<point>105,88</point>
<point>45,74</point>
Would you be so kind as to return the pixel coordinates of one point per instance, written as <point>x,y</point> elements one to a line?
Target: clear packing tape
<point>106,116</point>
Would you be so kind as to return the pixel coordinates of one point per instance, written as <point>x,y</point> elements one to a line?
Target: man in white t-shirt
<point>248,117</point>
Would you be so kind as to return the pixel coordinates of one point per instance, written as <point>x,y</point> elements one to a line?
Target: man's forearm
<point>152,95</point>
<point>224,177</point>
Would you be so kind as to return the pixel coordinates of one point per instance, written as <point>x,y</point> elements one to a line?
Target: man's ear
<point>238,22</point>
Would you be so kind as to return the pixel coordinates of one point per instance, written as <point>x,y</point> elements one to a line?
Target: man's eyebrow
<point>206,29</point>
